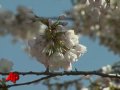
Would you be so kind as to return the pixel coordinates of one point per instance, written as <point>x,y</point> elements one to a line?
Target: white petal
<point>107,88</point>
<point>84,88</point>
<point>81,48</point>
<point>57,57</point>
<point>68,66</point>
<point>75,39</point>
<point>71,57</point>
<point>69,43</point>
<point>69,33</point>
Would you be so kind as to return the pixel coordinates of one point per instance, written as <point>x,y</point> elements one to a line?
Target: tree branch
<point>55,18</point>
<point>53,74</point>
<point>31,82</point>
<point>68,73</point>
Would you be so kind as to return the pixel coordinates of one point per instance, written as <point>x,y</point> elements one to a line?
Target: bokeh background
<point>96,56</point>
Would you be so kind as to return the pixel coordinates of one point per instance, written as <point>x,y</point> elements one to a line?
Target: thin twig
<point>55,18</point>
<point>31,82</point>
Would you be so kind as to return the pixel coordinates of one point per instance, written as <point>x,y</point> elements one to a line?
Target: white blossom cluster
<point>106,88</point>
<point>5,65</point>
<point>98,18</point>
<point>115,84</point>
<point>107,69</point>
<point>61,59</point>
<point>20,25</point>
<point>84,88</point>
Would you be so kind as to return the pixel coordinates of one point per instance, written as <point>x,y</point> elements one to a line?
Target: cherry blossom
<point>53,55</point>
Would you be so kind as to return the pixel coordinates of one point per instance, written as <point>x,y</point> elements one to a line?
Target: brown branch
<point>45,20</point>
<point>68,73</point>
<point>53,74</point>
<point>55,18</point>
<point>31,82</point>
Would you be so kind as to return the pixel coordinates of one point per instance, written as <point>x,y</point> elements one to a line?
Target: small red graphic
<point>13,77</point>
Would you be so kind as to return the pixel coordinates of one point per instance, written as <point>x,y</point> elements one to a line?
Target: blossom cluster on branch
<point>56,48</point>
<point>98,19</point>
<point>110,77</point>
<point>20,25</point>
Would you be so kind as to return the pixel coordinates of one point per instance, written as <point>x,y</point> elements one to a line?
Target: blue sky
<point>96,57</point>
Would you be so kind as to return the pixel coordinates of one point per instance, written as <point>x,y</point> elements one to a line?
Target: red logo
<point>13,77</point>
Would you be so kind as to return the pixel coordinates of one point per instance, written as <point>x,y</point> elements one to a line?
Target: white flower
<point>73,51</point>
<point>84,88</point>
<point>42,29</point>
<point>81,49</point>
<point>107,69</point>
<point>62,65</point>
<point>57,60</point>
<point>75,39</point>
<point>71,57</point>
<point>5,65</point>
<point>78,53</point>
<point>107,88</point>
<point>42,26</point>
<point>71,39</point>
<point>57,57</point>
<point>54,67</point>
<point>69,43</point>
<point>115,84</point>
<point>69,33</point>
<point>67,66</point>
